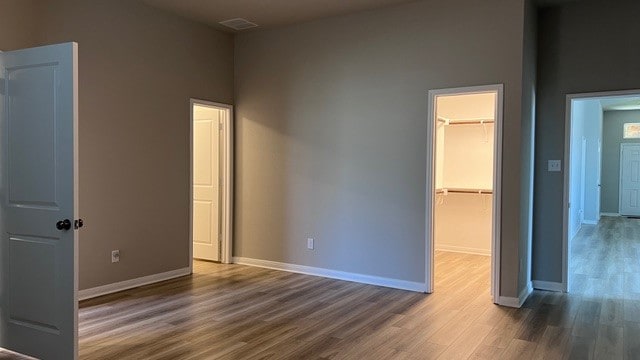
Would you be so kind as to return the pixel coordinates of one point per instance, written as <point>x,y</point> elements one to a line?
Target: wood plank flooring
<point>239,312</point>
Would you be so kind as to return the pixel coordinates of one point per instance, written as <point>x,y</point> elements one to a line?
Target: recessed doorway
<point>211,182</point>
<point>601,195</point>
<point>463,186</point>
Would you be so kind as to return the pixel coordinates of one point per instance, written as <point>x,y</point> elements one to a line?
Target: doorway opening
<point>463,187</point>
<point>601,193</point>
<point>211,181</point>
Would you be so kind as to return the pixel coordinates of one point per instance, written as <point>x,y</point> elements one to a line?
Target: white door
<point>38,113</point>
<point>207,123</point>
<point>630,179</point>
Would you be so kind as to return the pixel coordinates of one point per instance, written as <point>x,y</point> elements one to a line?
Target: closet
<point>464,160</point>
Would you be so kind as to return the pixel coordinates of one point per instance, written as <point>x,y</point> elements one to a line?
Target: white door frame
<point>566,259</point>
<point>497,183</point>
<point>226,186</point>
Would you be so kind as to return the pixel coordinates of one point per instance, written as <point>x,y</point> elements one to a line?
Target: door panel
<point>206,186</point>
<point>202,216</point>
<point>32,109</point>
<point>630,180</point>
<point>39,152</point>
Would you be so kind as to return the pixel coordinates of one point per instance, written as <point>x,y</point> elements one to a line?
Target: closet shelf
<point>464,191</point>
<point>465,121</point>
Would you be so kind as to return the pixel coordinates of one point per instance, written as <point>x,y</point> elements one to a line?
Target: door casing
<point>226,183</point>
<point>497,183</point>
<point>566,245</point>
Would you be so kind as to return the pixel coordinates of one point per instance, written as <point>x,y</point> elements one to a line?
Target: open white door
<point>630,179</point>
<point>39,201</point>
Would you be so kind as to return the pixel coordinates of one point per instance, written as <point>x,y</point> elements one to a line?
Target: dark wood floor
<point>239,312</point>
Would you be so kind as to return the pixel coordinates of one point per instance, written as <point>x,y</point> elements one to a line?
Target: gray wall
<point>331,132</point>
<point>527,147</point>
<point>585,46</point>
<point>611,140</point>
<point>138,69</point>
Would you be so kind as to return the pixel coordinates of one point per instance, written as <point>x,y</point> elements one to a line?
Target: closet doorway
<point>210,195</point>
<point>463,186</point>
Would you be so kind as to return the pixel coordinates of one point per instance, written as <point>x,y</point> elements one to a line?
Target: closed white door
<point>39,201</point>
<point>206,182</point>
<point>630,179</point>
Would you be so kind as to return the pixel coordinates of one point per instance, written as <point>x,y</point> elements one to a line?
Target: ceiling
<point>274,13</point>
<point>624,103</point>
<point>266,13</point>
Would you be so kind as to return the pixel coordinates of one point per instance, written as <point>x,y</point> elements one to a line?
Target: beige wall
<point>463,223</point>
<point>138,69</point>
<point>331,132</point>
<point>468,151</point>
<point>18,24</point>
<point>468,156</point>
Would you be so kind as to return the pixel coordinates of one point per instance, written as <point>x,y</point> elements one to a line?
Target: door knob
<point>78,224</point>
<point>63,224</point>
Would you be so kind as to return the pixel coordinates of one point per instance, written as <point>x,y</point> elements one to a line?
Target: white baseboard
<point>548,286</point>
<point>610,214</point>
<point>516,302</point>
<point>464,250</point>
<point>573,236</point>
<point>590,222</point>
<point>130,284</point>
<point>333,274</point>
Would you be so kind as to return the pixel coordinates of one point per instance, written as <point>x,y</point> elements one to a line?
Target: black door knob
<point>78,224</point>
<point>63,224</point>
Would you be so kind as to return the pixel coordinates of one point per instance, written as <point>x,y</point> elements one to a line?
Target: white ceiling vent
<point>238,24</point>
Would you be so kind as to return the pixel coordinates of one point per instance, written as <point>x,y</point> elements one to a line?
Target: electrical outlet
<point>310,243</point>
<point>554,165</point>
<point>115,256</point>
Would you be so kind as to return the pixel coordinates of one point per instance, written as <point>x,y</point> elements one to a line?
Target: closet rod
<point>464,191</point>
<point>471,122</point>
<point>465,121</point>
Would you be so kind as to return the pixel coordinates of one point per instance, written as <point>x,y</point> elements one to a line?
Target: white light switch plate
<point>555,165</point>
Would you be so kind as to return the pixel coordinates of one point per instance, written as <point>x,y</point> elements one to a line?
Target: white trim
<point>497,183</point>
<point>623,146</point>
<point>132,283</point>
<point>516,302</point>
<point>226,219</point>
<point>577,231</point>
<point>589,222</point>
<point>610,214</point>
<point>566,259</point>
<point>548,285</point>
<point>464,250</point>
<point>333,274</point>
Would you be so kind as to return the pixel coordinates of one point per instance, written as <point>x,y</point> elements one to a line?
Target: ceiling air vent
<point>238,24</point>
